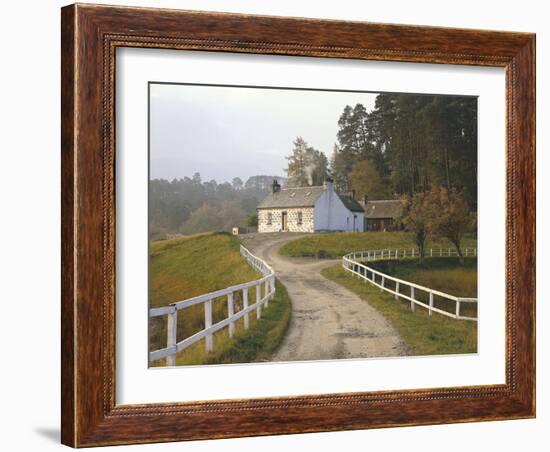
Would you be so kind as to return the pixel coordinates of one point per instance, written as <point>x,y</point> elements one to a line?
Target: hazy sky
<point>224,132</point>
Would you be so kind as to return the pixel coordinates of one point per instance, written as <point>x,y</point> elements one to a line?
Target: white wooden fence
<point>171,311</point>
<point>353,263</point>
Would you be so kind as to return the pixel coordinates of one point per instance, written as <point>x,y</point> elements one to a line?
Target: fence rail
<point>353,262</point>
<point>267,281</point>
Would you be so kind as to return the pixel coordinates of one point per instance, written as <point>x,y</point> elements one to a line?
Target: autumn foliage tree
<point>418,219</point>
<point>438,212</point>
<point>452,217</point>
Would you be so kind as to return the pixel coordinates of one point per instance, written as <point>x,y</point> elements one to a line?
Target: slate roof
<point>303,197</point>
<point>351,204</point>
<point>292,197</point>
<point>384,209</point>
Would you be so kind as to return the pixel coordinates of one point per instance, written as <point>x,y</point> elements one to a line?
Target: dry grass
<point>185,267</point>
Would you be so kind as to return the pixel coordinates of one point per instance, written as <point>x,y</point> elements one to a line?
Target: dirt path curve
<point>328,321</point>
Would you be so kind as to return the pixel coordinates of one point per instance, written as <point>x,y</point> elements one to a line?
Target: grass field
<point>443,274</point>
<point>336,244</point>
<point>189,266</point>
<point>424,335</point>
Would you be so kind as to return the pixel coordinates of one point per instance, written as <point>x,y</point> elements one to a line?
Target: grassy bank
<point>256,344</point>
<point>336,244</point>
<point>424,335</point>
<point>189,266</point>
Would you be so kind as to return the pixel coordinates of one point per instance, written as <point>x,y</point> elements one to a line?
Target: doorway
<point>284,221</point>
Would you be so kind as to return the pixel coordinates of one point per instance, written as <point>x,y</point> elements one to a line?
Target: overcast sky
<point>224,132</point>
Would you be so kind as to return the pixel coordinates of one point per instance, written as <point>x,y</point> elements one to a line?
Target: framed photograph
<point>280,225</point>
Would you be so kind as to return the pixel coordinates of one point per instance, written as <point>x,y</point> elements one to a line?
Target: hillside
<point>185,267</point>
<point>193,265</point>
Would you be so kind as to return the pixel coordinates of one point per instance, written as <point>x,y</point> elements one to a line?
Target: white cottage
<point>309,209</point>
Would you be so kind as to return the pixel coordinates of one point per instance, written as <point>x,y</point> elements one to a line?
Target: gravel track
<point>328,321</point>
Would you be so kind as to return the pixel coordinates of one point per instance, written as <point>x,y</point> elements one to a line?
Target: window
<point>269,218</point>
<point>300,217</point>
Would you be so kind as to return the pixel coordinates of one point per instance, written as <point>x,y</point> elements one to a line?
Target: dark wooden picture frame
<point>90,35</point>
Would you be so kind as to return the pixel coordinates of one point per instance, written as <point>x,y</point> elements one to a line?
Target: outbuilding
<point>383,215</point>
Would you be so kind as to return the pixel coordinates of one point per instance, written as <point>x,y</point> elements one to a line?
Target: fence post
<point>396,253</point>
<point>440,252</point>
<point>466,252</point>
<point>171,335</point>
<point>258,298</point>
<point>272,287</point>
<point>413,304</point>
<point>475,252</point>
<point>382,284</point>
<point>412,250</point>
<point>245,305</point>
<point>431,252</point>
<point>209,339</point>
<point>230,313</point>
<point>266,293</point>
<point>458,308</point>
<point>397,290</point>
<point>431,303</point>
<point>449,252</point>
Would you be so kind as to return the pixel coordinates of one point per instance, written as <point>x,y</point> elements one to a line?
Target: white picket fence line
<point>171,311</point>
<point>353,262</point>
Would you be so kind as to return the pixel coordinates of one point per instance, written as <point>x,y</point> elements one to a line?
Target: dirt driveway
<point>328,321</point>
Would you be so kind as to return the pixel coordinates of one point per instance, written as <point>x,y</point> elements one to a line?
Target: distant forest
<point>407,144</point>
<point>191,205</point>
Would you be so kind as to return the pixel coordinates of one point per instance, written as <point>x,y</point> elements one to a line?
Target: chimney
<point>366,199</point>
<point>353,195</point>
<point>328,184</point>
<point>276,187</point>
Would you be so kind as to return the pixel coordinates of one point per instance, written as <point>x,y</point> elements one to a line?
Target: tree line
<point>407,144</point>
<point>191,205</point>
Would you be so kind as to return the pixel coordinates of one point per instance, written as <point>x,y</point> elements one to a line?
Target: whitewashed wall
<point>332,215</point>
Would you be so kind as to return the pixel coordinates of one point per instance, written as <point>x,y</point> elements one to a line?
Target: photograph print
<point>302,224</point>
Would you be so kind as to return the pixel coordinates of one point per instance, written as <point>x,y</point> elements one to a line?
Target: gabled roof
<point>384,209</point>
<point>351,204</point>
<point>292,197</point>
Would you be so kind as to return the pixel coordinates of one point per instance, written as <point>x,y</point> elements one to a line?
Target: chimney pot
<point>276,187</point>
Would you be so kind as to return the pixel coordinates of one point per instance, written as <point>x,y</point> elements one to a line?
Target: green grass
<point>256,344</point>
<point>336,244</point>
<point>444,274</point>
<point>194,265</point>
<point>424,335</point>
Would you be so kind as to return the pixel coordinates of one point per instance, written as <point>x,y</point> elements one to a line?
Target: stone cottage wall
<point>293,224</point>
